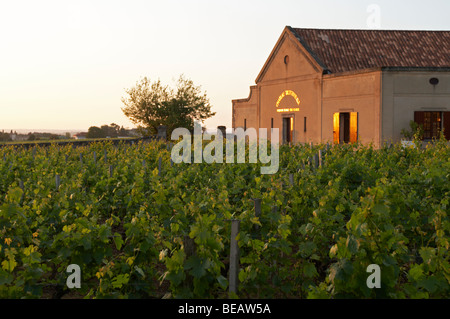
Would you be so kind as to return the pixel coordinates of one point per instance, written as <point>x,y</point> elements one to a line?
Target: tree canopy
<point>112,130</point>
<point>149,105</point>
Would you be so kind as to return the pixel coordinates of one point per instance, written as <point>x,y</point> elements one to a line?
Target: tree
<point>95,132</point>
<point>110,131</point>
<point>123,132</point>
<point>114,130</point>
<point>5,137</point>
<point>152,104</point>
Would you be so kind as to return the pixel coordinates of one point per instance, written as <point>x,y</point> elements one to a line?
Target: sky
<point>65,65</point>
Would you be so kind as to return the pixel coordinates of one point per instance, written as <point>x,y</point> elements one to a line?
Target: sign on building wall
<point>281,108</point>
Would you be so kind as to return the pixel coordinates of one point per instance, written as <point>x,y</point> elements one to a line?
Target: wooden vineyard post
<point>95,157</point>
<point>291,179</point>
<point>159,166</point>
<point>162,132</point>
<point>316,160</point>
<point>111,170</point>
<point>190,250</point>
<point>81,158</point>
<point>274,209</point>
<point>106,156</point>
<point>257,209</point>
<point>320,158</point>
<point>57,181</point>
<point>22,187</point>
<point>189,246</point>
<point>234,258</point>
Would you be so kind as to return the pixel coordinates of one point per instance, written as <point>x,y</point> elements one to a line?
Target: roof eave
<point>418,68</point>
<point>318,64</point>
<point>325,69</point>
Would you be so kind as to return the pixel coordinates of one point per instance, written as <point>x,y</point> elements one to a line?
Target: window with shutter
<point>345,127</point>
<point>336,128</point>
<point>431,123</point>
<point>353,127</point>
<point>446,124</point>
<point>419,117</point>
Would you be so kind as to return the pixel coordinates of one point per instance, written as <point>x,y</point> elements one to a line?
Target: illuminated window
<point>288,130</point>
<point>336,128</point>
<point>291,128</point>
<point>345,127</point>
<point>431,123</point>
<point>353,127</point>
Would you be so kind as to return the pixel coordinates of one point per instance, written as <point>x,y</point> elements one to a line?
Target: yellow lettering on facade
<point>284,94</point>
<point>291,109</point>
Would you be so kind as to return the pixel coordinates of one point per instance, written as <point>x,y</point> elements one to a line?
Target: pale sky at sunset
<point>66,64</point>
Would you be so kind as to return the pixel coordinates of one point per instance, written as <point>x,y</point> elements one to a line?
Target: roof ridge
<point>371,30</point>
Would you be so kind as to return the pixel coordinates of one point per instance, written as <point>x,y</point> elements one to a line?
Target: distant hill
<point>26,131</point>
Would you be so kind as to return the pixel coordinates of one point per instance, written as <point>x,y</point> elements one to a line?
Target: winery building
<point>344,86</point>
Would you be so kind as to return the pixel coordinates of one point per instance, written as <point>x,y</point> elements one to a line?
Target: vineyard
<point>140,226</point>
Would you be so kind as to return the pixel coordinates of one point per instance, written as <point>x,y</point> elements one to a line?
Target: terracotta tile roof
<point>349,50</point>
